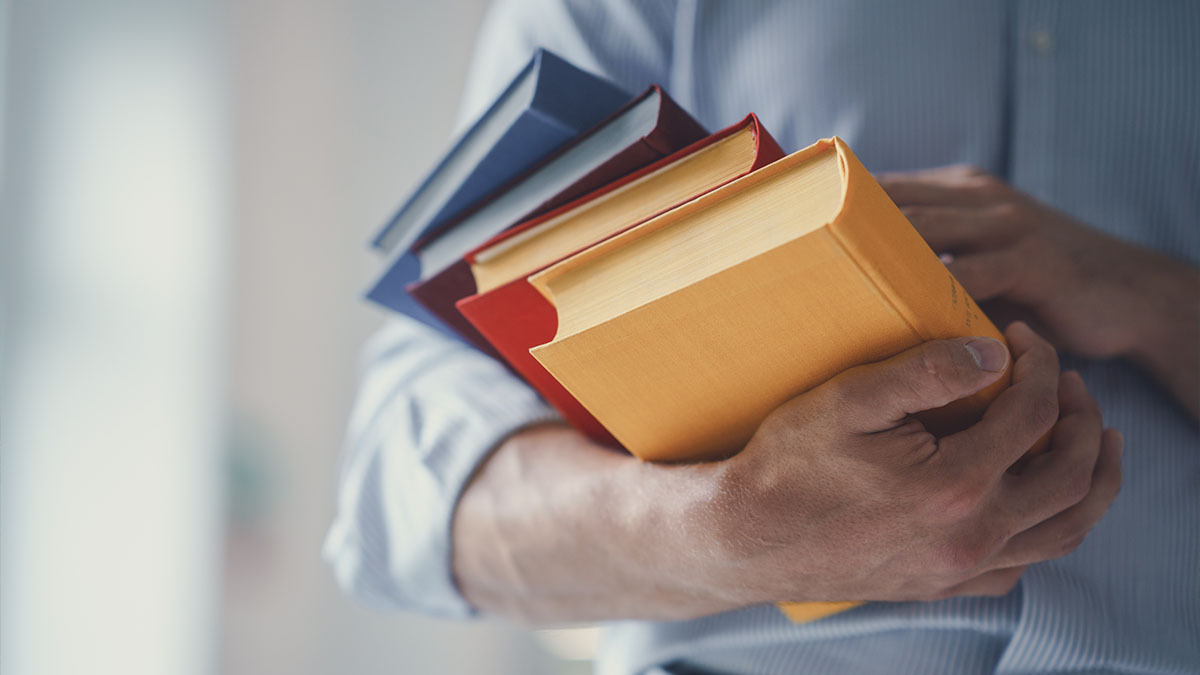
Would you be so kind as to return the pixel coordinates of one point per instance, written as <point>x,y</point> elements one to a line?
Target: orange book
<point>680,335</point>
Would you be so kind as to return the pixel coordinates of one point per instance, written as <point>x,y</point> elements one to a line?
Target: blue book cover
<point>547,104</point>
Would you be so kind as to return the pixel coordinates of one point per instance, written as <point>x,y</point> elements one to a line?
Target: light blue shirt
<point>1092,107</point>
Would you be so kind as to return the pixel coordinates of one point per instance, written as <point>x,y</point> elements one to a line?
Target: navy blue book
<point>547,104</point>
<point>432,270</point>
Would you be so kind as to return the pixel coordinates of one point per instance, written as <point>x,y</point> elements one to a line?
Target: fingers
<point>1062,477</point>
<point>930,375</point>
<point>907,190</point>
<point>990,274</point>
<point>1064,532</point>
<point>954,228</point>
<point>1020,415</point>
<point>949,186</point>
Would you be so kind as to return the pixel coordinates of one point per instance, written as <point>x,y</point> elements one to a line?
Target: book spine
<point>438,295</point>
<point>675,128</point>
<point>534,63</point>
<point>766,149</point>
<point>514,318</point>
<point>530,137</point>
<point>572,97</point>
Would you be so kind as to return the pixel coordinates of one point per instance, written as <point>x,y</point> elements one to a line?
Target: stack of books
<point>665,288</point>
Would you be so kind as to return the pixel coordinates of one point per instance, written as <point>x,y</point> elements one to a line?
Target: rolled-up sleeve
<point>429,410</point>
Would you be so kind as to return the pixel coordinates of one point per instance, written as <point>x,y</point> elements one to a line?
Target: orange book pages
<point>802,612</point>
<point>775,174</point>
<point>593,220</point>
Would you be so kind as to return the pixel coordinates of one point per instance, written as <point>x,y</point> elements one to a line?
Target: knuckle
<point>1043,411</point>
<point>985,184</point>
<point>1040,353</point>
<point>962,555</point>
<point>911,441</point>
<point>958,502</point>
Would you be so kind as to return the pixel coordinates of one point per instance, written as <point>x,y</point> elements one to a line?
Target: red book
<point>659,127</point>
<point>514,317</point>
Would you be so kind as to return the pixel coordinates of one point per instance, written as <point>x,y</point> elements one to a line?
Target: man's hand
<point>1097,296</point>
<point>840,495</point>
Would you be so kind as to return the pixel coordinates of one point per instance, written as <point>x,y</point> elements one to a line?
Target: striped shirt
<point>1092,107</point>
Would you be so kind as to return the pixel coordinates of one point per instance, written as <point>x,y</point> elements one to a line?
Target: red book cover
<point>674,129</point>
<point>439,293</point>
<point>515,317</point>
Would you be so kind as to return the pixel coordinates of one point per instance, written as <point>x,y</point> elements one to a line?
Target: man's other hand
<point>1095,295</point>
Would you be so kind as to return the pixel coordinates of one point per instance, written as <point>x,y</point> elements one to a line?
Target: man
<point>1082,220</point>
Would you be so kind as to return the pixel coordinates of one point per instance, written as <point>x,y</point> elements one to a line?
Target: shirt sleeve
<point>429,410</point>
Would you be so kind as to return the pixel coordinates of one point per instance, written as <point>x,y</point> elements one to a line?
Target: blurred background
<point>186,191</point>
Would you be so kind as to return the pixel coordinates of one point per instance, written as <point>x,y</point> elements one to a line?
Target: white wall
<point>116,213</point>
<point>187,191</point>
<point>340,109</point>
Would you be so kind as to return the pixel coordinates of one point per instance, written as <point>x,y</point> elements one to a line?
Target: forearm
<point>1169,344</point>
<point>554,528</point>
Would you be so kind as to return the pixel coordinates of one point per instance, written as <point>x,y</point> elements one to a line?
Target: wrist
<point>1168,347</point>
<point>1170,318</point>
<point>732,528</point>
<point>699,526</point>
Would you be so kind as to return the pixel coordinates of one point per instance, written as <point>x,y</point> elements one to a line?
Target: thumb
<point>879,395</point>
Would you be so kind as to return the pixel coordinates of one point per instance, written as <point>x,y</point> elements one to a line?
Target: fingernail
<point>990,355</point>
